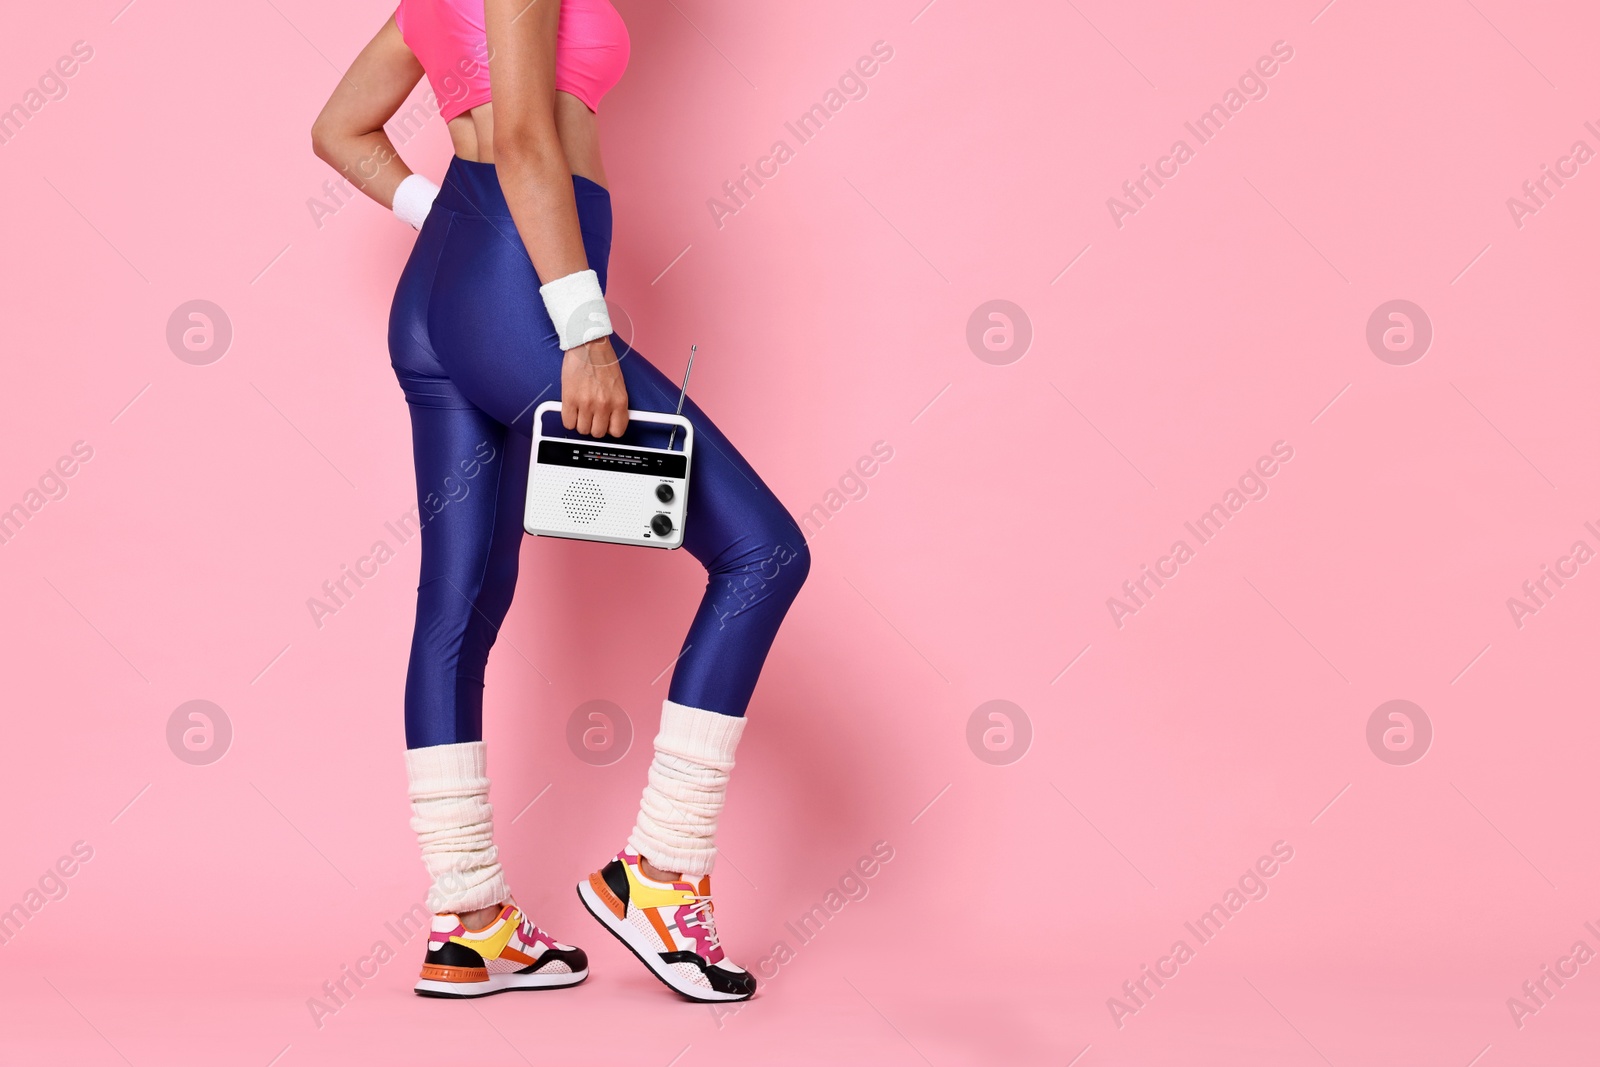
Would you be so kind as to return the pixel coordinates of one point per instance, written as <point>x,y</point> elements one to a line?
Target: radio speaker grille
<point>582,500</point>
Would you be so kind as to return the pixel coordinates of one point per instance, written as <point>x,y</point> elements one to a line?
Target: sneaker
<point>509,953</point>
<point>670,926</point>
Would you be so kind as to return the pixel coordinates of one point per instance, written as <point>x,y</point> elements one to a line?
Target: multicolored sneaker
<point>670,926</point>
<point>509,953</point>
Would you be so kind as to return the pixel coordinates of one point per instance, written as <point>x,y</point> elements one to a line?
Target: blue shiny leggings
<point>475,352</point>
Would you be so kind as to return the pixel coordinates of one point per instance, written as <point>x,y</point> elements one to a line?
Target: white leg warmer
<point>455,826</point>
<point>677,824</point>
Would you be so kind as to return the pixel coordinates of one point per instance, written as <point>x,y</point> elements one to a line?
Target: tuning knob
<point>661,524</point>
<point>664,493</point>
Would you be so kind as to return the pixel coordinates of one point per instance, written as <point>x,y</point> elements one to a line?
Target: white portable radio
<point>619,492</point>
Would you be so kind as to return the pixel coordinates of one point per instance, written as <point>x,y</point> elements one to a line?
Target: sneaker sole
<point>497,983</point>
<point>634,941</point>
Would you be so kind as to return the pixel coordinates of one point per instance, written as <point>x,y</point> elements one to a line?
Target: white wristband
<point>413,198</point>
<point>577,307</point>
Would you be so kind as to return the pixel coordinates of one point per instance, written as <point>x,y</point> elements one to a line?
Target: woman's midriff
<point>472,134</point>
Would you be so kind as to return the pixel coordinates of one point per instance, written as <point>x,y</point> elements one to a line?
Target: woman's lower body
<point>475,353</point>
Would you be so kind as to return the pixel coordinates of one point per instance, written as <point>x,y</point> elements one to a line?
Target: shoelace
<point>525,925</point>
<point>701,910</point>
<point>531,934</point>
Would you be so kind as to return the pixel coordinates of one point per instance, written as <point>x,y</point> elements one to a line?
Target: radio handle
<point>660,418</point>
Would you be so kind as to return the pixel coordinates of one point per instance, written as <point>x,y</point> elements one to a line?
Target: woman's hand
<point>594,398</point>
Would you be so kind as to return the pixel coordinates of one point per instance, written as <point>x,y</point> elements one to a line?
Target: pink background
<point>831,312</point>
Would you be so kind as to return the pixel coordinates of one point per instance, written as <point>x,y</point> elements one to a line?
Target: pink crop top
<point>448,38</point>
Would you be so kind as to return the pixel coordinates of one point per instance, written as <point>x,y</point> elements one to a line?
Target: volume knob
<point>662,525</point>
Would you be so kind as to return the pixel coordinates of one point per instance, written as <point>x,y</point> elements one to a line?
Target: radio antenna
<point>681,394</point>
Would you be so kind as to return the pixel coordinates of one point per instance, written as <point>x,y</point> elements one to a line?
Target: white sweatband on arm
<point>577,308</point>
<point>413,198</point>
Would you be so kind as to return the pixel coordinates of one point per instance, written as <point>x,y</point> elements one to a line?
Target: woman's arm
<point>537,182</point>
<point>527,150</point>
<point>349,136</point>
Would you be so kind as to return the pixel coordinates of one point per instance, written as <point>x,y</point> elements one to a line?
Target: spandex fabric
<point>475,352</point>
